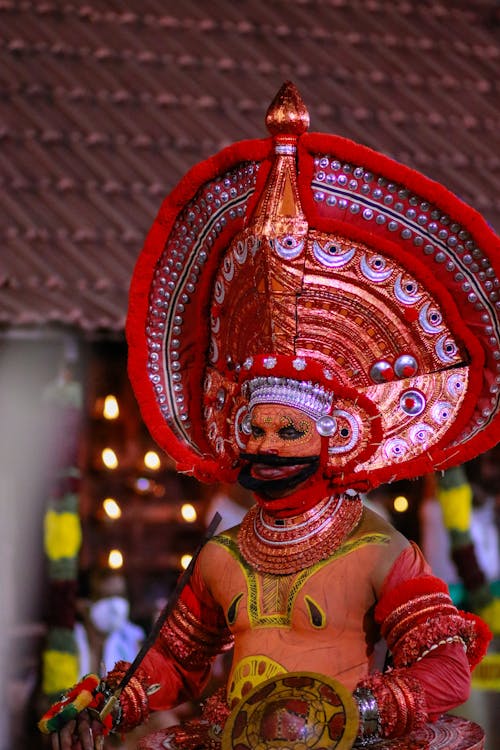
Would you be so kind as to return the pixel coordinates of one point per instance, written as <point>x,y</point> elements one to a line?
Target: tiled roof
<point>105,105</point>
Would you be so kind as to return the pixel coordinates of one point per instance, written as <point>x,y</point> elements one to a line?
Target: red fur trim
<point>479,640</point>
<point>204,467</point>
<point>407,591</point>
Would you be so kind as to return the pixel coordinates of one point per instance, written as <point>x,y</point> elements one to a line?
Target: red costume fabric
<point>219,607</point>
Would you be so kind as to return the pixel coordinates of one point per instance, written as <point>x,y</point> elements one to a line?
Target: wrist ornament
<point>132,707</point>
<point>369,717</point>
<point>400,700</point>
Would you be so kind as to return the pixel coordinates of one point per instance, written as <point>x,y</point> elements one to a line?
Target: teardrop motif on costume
<point>318,617</point>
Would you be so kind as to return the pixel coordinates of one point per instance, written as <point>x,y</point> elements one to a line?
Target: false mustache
<point>270,459</point>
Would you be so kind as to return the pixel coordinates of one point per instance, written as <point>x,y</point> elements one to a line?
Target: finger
<point>85,734</point>
<point>97,727</point>
<point>65,736</point>
<point>54,739</point>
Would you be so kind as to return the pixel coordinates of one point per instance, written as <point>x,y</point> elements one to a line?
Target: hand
<point>74,722</point>
<point>82,733</point>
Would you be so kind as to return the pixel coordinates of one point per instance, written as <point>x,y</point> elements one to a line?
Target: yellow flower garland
<point>63,534</point>
<point>60,669</point>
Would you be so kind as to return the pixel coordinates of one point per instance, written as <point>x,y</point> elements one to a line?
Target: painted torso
<point>319,619</point>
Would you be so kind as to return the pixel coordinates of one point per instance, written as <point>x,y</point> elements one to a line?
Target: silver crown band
<point>312,399</point>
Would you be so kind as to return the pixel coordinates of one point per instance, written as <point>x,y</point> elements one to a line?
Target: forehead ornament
<point>312,399</point>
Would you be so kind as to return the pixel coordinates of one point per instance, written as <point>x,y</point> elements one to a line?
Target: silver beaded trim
<point>312,399</point>
<point>369,724</point>
<point>424,228</point>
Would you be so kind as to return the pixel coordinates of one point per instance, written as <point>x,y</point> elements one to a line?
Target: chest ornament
<point>286,545</point>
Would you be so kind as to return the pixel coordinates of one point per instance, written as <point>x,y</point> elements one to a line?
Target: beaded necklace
<point>286,545</point>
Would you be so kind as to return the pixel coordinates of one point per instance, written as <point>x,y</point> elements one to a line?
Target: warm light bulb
<point>111,508</point>
<point>109,458</point>
<point>188,512</point>
<point>152,460</point>
<point>111,409</point>
<point>185,560</point>
<point>115,559</point>
<point>401,504</point>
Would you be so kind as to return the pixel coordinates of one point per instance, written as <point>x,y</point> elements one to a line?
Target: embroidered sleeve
<point>194,633</point>
<point>426,634</point>
<point>177,666</point>
<point>418,615</point>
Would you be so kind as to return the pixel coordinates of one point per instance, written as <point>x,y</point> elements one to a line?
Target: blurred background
<point>104,106</point>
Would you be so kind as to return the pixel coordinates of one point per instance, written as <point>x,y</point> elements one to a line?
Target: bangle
<point>369,717</point>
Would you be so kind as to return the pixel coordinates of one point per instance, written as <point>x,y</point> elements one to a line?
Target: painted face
<point>288,443</point>
<point>283,431</point>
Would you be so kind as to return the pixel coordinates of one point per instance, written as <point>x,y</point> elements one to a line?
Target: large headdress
<point>307,269</point>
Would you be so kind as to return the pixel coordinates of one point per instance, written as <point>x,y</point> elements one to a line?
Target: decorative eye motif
<point>228,268</point>
<point>346,434</point>
<point>332,255</point>
<point>455,385</point>
<point>446,349</point>
<point>213,353</point>
<point>421,433</point>
<point>396,448</point>
<point>441,411</point>
<point>375,268</point>
<point>219,445</point>
<point>246,425</point>
<point>288,247</point>
<point>220,399</point>
<point>406,290</point>
<point>242,426</point>
<point>219,292</point>
<point>430,319</point>
<point>240,252</point>
<point>208,383</point>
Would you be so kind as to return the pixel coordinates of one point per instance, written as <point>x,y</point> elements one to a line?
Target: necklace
<point>286,545</point>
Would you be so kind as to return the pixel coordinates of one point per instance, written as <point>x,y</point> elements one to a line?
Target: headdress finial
<point>287,113</point>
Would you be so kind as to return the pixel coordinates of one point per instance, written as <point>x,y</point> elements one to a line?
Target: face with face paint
<point>282,451</point>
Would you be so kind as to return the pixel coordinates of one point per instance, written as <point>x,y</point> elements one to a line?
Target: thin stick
<point>169,607</point>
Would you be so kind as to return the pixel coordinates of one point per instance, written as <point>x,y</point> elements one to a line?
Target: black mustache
<point>269,459</point>
<point>273,488</point>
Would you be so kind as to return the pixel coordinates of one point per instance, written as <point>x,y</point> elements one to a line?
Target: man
<point>234,596</point>
<point>284,329</point>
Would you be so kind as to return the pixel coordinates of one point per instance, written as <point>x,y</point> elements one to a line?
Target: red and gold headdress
<point>308,259</point>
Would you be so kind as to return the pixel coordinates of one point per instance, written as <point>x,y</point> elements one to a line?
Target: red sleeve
<point>433,647</point>
<point>178,664</point>
<point>444,674</point>
<point>410,564</point>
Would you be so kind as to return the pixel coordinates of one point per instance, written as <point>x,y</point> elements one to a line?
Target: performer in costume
<point>312,319</point>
